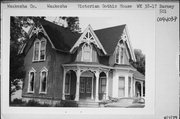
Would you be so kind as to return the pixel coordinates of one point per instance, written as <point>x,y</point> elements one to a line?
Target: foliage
<point>36,104</point>
<point>72,23</point>
<point>140,61</point>
<point>32,103</point>
<point>17,102</point>
<point>67,103</point>
<point>17,38</point>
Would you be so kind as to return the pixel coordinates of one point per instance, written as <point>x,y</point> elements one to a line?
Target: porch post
<point>141,89</point>
<point>64,77</point>
<point>77,85</point>
<point>92,88</point>
<point>107,85</point>
<point>131,86</point>
<point>126,86</point>
<point>97,86</point>
<point>134,86</point>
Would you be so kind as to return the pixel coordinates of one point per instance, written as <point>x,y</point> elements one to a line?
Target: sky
<point>140,24</point>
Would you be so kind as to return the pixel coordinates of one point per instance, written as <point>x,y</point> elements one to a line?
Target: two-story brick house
<point>94,65</point>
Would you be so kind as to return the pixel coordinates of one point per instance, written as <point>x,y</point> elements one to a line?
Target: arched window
<point>119,56</point>
<point>36,50</point>
<point>39,50</point>
<point>86,53</point>
<point>43,80</point>
<point>31,80</point>
<point>67,83</point>
<point>43,50</point>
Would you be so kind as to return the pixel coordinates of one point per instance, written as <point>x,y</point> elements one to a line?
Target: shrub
<point>36,104</point>
<point>67,103</point>
<point>17,102</point>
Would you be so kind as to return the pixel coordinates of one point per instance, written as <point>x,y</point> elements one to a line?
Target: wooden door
<point>85,87</point>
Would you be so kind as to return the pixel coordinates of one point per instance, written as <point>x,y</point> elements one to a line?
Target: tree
<point>17,38</point>
<point>140,61</point>
<point>71,23</point>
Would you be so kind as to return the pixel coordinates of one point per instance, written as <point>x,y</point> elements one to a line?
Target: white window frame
<point>103,77</point>
<point>82,58</point>
<point>68,93</point>
<point>29,80</point>
<point>119,51</point>
<point>120,87</point>
<point>39,53</point>
<point>43,70</point>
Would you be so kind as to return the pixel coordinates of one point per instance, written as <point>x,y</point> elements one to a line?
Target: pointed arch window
<point>39,53</point>
<point>86,53</point>
<point>31,80</point>
<point>119,56</point>
<point>43,80</point>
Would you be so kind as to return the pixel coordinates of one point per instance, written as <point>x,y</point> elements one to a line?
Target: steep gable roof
<point>109,37</point>
<point>62,38</point>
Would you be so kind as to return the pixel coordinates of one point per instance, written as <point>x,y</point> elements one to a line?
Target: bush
<point>67,103</point>
<point>36,104</point>
<point>17,102</point>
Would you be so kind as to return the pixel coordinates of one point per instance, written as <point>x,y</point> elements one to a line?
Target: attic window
<point>39,52</point>
<point>119,57</point>
<point>86,53</point>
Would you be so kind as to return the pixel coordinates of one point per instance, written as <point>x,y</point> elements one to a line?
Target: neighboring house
<point>94,65</point>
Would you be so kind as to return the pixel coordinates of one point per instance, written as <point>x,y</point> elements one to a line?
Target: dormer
<point>88,47</point>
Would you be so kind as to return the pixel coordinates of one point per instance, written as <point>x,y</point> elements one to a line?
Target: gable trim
<point>80,40</point>
<point>129,43</point>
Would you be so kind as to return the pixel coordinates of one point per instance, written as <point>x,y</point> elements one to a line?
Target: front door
<point>85,87</point>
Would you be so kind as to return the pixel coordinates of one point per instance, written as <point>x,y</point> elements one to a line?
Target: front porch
<point>85,82</point>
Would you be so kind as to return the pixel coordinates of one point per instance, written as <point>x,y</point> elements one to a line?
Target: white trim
<point>34,71</point>
<point>119,57</point>
<point>82,57</point>
<point>129,43</point>
<point>44,69</point>
<point>39,50</point>
<point>43,39</point>
<point>124,88</point>
<point>37,40</point>
<point>95,41</point>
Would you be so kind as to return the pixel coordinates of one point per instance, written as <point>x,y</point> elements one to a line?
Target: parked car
<point>127,103</point>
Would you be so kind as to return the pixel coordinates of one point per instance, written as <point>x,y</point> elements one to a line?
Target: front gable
<point>88,37</point>
<point>123,52</point>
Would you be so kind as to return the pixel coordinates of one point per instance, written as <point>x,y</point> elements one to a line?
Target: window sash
<point>121,87</point>
<point>42,50</point>
<point>43,82</point>
<point>39,50</point>
<point>31,81</point>
<point>67,83</point>
<point>36,51</point>
<point>103,85</point>
<point>119,55</point>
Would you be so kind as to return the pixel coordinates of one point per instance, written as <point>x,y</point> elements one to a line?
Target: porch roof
<point>87,64</point>
<point>138,75</point>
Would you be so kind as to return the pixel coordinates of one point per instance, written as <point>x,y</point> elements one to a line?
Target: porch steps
<point>84,103</point>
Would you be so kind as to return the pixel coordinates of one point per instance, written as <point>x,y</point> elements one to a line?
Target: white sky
<point>140,24</point>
